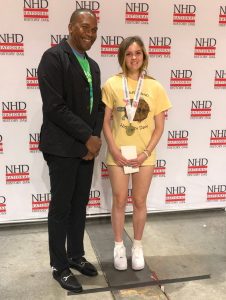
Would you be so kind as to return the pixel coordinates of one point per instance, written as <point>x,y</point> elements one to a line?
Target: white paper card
<point>129,152</point>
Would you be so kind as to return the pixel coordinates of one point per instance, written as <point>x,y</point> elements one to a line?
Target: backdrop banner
<point>186,43</point>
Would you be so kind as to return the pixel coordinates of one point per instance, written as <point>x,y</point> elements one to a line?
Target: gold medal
<point>130,130</point>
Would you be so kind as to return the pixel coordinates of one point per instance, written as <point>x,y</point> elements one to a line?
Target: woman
<point>134,116</point>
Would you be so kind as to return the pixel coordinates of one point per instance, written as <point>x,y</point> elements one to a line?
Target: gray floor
<point>176,246</point>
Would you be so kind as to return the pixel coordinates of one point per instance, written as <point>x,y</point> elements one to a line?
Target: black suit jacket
<point>67,122</point>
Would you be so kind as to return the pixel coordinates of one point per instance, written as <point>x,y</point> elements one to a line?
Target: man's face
<point>83,32</point>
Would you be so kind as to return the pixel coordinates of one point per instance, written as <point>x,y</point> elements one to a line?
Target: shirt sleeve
<point>162,101</point>
<point>107,95</point>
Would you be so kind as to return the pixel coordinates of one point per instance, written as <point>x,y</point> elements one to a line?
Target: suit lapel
<point>77,65</point>
<point>66,47</point>
<point>79,69</point>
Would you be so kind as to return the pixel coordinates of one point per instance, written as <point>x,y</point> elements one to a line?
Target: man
<point>70,140</point>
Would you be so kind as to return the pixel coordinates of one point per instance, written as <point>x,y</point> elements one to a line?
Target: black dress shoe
<point>83,266</point>
<point>67,280</point>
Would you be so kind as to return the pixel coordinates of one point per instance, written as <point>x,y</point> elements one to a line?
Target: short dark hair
<point>77,12</point>
<point>125,45</point>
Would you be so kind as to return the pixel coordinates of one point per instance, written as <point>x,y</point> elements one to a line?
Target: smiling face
<point>134,58</point>
<point>83,32</point>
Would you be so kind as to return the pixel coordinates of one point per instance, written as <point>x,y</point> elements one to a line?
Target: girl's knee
<point>139,203</point>
<point>120,202</point>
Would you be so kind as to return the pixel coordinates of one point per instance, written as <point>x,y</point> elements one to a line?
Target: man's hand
<point>93,145</point>
<point>88,156</point>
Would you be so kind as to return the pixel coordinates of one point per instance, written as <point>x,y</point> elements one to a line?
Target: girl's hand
<point>118,158</point>
<point>137,162</point>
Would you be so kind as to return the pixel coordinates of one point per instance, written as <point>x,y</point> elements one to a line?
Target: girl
<point>134,116</point>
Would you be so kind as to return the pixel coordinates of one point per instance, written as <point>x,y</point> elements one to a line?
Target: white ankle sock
<point>137,243</point>
<point>119,243</point>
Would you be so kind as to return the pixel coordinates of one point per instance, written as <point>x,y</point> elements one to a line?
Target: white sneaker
<point>137,258</point>
<point>120,260</point>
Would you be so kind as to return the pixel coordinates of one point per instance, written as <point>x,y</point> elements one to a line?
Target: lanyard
<point>86,69</point>
<point>131,108</point>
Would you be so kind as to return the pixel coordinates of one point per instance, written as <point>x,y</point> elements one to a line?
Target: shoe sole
<point>120,269</point>
<point>137,269</point>
<point>74,291</point>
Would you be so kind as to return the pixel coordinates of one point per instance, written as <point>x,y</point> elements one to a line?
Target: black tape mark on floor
<point>143,284</point>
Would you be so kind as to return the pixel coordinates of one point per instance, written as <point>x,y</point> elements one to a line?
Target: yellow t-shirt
<point>153,100</point>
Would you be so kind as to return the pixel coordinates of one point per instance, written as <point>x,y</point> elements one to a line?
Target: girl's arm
<point>114,150</point>
<point>157,133</point>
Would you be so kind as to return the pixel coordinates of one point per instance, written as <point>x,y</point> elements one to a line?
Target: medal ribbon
<point>131,108</point>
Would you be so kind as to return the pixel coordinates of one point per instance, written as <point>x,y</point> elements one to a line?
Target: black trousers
<point>70,182</point>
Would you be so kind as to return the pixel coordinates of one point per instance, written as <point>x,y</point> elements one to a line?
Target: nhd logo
<point>201,109</point>
<point>216,192</point>
<point>40,202</point>
<point>184,14</point>
<point>177,139</point>
<point>11,43</point>
<point>222,16</point>
<point>205,48</point>
<point>136,13</point>
<point>181,79</point>
<point>110,45</point>
<point>94,199</point>
<point>218,138</point>
<point>32,78</point>
<point>34,139</point>
<point>2,205</point>
<point>104,171</point>
<point>93,5</point>
<point>220,79</point>
<point>36,10</point>
<point>130,198</point>
<point>1,144</point>
<point>197,166</point>
<point>159,46</point>
<point>17,174</point>
<point>14,111</point>
<point>175,194</point>
<point>160,168</point>
<point>57,38</point>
